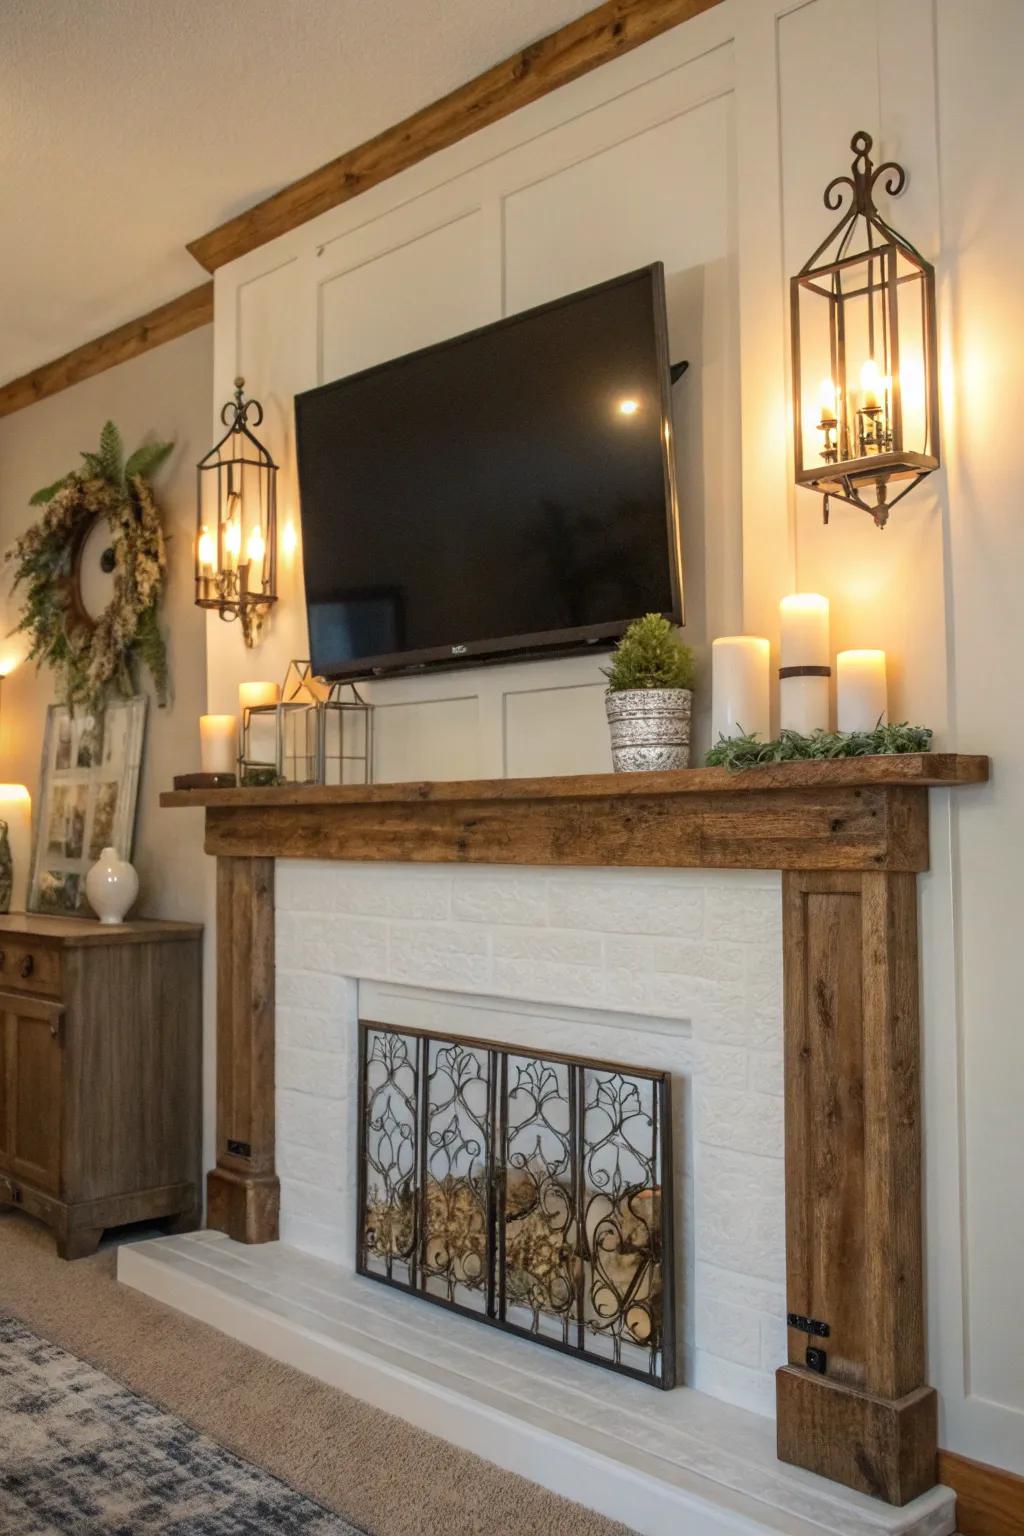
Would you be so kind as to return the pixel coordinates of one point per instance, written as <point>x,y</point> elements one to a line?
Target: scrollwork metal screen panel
<point>527,1189</point>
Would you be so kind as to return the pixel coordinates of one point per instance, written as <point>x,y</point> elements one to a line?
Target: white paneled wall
<point>708,149</point>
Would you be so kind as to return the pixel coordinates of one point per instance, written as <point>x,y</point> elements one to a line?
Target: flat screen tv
<point>509,492</point>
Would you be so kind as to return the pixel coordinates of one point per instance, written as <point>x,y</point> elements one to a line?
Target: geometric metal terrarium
<point>865,376</point>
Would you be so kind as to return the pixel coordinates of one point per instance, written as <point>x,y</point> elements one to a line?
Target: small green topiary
<point>650,655</point>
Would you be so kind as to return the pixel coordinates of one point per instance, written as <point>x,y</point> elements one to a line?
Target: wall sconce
<point>236,521</point>
<point>865,383</point>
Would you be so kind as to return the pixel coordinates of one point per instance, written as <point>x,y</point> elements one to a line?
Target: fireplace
<point>525,1188</point>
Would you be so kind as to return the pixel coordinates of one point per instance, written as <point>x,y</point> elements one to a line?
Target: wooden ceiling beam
<point>186,313</point>
<point>592,40</point>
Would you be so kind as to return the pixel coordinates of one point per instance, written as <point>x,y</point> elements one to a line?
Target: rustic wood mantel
<point>850,837</point>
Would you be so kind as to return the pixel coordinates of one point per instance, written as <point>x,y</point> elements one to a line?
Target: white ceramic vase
<point>111,886</point>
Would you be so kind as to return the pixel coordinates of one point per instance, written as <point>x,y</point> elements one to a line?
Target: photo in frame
<point>88,791</point>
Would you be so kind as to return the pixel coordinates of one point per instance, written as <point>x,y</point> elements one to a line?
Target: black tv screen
<point>507,492</point>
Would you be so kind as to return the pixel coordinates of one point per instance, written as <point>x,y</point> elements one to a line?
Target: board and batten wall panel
<point>709,149</point>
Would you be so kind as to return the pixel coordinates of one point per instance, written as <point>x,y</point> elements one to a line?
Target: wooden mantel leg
<point>243,1193</point>
<point>853,1186</point>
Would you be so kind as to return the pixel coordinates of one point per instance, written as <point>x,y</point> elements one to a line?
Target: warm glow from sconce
<point>13,792</point>
<point>207,553</point>
<point>256,546</point>
<point>290,539</point>
<point>233,540</point>
<point>827,395</point>
<point>628,407</point>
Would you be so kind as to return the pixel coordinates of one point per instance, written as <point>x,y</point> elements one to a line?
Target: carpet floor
<point>375,1471</point>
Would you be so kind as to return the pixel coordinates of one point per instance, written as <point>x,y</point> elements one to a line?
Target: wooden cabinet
<point>100,1074</point>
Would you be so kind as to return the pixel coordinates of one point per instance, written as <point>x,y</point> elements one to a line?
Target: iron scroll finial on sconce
<point>236,520</point>
<point>862,320</point>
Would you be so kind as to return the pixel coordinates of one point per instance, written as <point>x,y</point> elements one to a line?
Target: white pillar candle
<point>861,699</point>
<point>255,695</point>
<point>218,743</point>
<point>740,691</point>
<point>803,694</point>
<point>16,811</point>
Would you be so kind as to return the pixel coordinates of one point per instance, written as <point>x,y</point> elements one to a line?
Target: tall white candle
<point>740,691</point>
<point>218,743</point>
<point>16,811</point>
<point>861,695</point>
<point>803,697</point>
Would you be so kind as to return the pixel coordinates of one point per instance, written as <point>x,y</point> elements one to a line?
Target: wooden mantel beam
<point>849,836</point>
<point>573,50</point>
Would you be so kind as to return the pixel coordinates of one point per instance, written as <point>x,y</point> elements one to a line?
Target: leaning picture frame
<point>89,786</point>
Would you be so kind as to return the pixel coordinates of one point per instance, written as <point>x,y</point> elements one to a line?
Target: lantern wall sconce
<point>236,521</point>
<point>865,380</point>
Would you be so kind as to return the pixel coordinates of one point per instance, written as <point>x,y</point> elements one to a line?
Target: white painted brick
<point>337,945</point>
<point>393,892</point>
<point>774,1343</point>
<point>732,1383</point>
<point>740,1212</point>
<point>751,915</point>
<point>310,1166</point>
<point>728,1020</point>
<point>323,1205</point>
<point>716,961</point>
<point>739,1290</point>
<point>746,1122</point>
<point>508,897</point>
<point>561,946</point>
<point>312,1031</point>
<point>765,1072</point>
<point>313,1072</point>
<point>307,1120</point>
<point>334,995</point>
<point>550,982</point>
<point>440,955</point>
<point>315,1237</point>
<point>719,1066</point>
<point>627,905</point>
<point>731,1332</point>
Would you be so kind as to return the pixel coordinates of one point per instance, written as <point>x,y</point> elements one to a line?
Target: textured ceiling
<point>130,126</point>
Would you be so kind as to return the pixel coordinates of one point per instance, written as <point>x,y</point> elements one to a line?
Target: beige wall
<point>166,394</point>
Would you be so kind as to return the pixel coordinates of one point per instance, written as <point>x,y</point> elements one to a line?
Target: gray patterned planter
<point>650,728</point>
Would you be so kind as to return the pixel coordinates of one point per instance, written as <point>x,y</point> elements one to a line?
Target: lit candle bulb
<point>861,696</point>
<point>871,386</point>
<point>827,396</point>
<point>256,546</point>
<point>207,552</point>
<point>232,543</point>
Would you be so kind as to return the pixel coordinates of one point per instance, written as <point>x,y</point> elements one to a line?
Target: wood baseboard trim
<point>989,1500</point>
<point>573,50</point>
<point>166,323</point>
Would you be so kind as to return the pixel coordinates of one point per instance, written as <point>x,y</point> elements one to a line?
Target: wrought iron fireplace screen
<point>530,1190</point>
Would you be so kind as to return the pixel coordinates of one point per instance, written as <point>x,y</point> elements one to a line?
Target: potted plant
<point>649,697</point>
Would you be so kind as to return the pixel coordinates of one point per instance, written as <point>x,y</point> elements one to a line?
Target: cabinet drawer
<point>29,967</point>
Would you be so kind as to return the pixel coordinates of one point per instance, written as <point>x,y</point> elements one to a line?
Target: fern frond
<point>147,459</point>
<point>48,492</point>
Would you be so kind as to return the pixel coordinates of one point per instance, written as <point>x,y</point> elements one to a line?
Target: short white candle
<point>257,695</point>
<point>803,701</point>
<point>16,810</point>
<point>740,691</point>
<point>218,743</point>
<point>861,697</point>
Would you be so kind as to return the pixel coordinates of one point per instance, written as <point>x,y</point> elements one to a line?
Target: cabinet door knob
<point>28,965</point>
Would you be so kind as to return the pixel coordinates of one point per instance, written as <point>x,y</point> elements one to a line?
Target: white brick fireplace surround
<point>679,969</point>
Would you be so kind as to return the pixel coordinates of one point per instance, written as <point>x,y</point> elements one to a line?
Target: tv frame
<point>552,642</point>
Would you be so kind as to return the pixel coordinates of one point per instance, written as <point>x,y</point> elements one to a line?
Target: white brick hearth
<point>679,970</point>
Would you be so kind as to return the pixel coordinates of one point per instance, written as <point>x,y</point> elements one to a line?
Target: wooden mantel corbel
<point>850,837</point>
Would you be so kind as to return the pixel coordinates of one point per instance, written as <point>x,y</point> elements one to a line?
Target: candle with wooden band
<point>740,692</point>
<point>218,743</point>
<point>16,812</point>
<point>804,668</point>
<point>861,694</point>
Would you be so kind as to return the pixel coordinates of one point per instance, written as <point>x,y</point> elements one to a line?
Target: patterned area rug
<point>82,1456</point>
